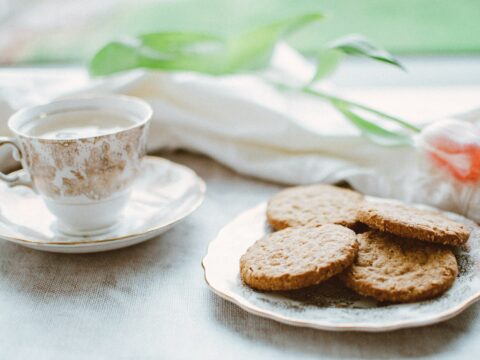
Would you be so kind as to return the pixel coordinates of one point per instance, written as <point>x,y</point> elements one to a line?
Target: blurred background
<point>70,31</point>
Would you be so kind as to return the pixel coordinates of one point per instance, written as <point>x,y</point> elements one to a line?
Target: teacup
<point>82,156</point>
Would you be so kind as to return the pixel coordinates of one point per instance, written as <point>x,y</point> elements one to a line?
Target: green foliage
<point>359,46</point>
<point>327,62</point>
<point>250,51</point>
<point>373,131</point>
<point>186,51</point>
<point>399,132</point>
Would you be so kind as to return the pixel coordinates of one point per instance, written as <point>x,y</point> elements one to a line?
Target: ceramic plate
<point>330,306</point>
<point>163,195</point>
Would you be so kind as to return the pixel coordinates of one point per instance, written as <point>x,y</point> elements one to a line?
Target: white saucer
<point>163,195</point>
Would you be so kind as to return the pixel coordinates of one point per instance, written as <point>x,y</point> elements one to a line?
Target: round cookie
<point>295,258</point>
<point>391,269</point>
<point>410,222</point>
<point>313,205</point>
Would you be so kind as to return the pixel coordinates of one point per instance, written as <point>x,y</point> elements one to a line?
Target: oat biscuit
<point>391,269</point>
<point>410,222</point>
<point>313,205</point>
<point>295,258</point>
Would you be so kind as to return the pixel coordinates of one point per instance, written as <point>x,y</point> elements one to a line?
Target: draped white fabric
<point>248,125</point>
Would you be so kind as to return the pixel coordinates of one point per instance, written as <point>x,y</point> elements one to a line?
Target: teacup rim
<point>36,110</point>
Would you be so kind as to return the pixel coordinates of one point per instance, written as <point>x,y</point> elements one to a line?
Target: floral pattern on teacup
<point>94,168</point>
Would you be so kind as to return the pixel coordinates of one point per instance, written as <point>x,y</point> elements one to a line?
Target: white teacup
<point>82,156</point>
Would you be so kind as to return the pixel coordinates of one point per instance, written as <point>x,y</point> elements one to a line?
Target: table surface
<point>150,301</point>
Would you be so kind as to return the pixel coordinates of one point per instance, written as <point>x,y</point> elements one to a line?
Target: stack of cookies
<point>385,250</point>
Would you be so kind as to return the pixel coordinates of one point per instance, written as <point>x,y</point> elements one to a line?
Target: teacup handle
<point>19,178</point>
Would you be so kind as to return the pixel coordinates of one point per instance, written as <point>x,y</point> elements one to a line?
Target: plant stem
<point>310,91</point>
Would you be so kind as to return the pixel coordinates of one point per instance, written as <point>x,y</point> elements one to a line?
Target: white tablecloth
<point>151,302</point>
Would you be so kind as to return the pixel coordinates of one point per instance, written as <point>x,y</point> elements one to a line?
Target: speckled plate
<point>330,306</point>
<point>163,195</point>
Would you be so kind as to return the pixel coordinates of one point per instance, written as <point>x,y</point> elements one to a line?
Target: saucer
<point>163,195</point>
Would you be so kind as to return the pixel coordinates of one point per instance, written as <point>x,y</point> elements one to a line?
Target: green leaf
<point>187,51</point>
<point>253,50</point>
<point>113,58</point>
<point>374,132</point>
<point>360,46</point>
<point>184,52</point>
<point>327,62</point>
<point>353,105</point>
<point>165,51</point>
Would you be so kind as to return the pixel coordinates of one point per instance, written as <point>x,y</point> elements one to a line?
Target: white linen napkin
<point>246,124</point>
